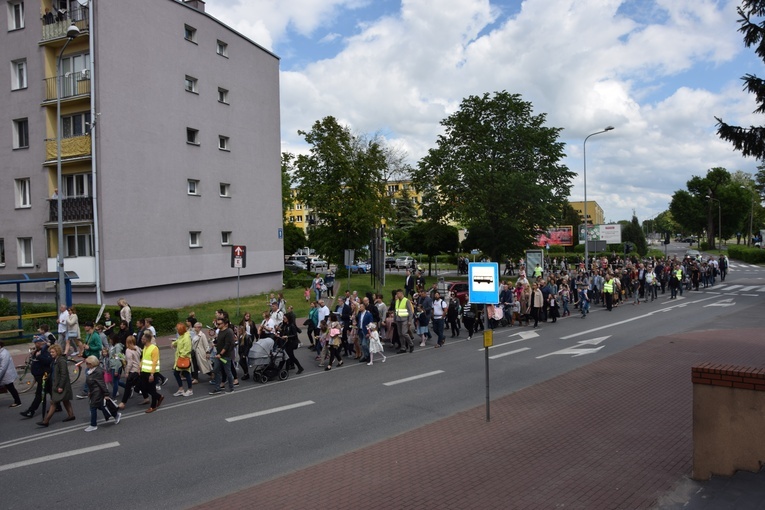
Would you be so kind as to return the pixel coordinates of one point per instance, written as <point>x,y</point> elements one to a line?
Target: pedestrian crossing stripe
<point>739,288</point>
<point>734,266</point>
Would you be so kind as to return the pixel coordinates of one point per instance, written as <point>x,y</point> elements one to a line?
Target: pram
<point>266,363</point>
<point>496,316</point>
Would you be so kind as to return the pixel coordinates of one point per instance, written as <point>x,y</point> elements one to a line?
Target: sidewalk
<point>613,434</point>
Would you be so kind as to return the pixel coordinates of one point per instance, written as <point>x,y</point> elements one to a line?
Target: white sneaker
<point>91,429</point>
<point>117,418</point>
<point>422,344</point>
<point>369,364</point>
<point>384,360</point>
<point>178,393</point>
<point>158,387</point>
<point>188,393</point>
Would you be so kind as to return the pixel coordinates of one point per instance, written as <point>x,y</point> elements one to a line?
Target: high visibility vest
<point>537,272</point>
<point>608,287</point>
<point>679,274</point>
<point>401,308</point>
<point>147,364</point>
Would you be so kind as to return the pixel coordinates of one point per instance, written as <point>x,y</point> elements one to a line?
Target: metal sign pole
<point>486,344</point>
<point>238,274</point>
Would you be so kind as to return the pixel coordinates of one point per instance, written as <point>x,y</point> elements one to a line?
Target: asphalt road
<point>202,447</point>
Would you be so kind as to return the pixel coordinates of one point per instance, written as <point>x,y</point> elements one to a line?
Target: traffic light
<point>666,237</point>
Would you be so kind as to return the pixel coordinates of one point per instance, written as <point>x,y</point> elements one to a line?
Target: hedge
<point>746,254</point>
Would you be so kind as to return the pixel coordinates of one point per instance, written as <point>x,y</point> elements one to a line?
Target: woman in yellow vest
<point>149,367</point>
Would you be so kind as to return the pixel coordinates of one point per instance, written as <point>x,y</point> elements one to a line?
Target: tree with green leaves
<point>294,238</point>
<point>342,180</point>
<point>750,141</point>
<point>497,171</point>
<point>431,238</point>
<point>405,217</point>
<point>633,233</point>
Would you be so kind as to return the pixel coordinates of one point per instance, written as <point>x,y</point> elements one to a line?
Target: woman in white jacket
<point>8,374</point>
<point>201,353</point>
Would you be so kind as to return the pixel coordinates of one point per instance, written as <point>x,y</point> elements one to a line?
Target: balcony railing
<point>71,147</point>
<point>55,25</point>
<point>72,84</point>
<point>72,209</point>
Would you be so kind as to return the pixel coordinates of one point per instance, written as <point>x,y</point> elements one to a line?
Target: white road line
<point>749,289</point>
<point>525,335</point>
<point>751,295</point>
<point>413,378</point>
<point>732,287</point>
<point>509,353</point>
<point>270,411</point>
<point>56,456</point>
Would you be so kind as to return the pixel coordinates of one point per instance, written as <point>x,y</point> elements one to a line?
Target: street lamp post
<point>751,215</point>
<point>586,231</point>
<point>719,219</point>
<point>71,33</point>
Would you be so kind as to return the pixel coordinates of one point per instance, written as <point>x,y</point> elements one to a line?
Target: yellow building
<point>595,215</point>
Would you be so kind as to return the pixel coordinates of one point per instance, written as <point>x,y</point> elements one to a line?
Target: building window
<point>193,187</point>
<point>299,217</point>
<point>2,252</point>
<point>23,197</point>
<point>225,238</point>
<point>191,84</point>
<point>76,185</point>
<point>298,207</point>
<point>15,15</point>
<point>190,33</point>
<point>20,134</point>
<point>19,74</point>
<point>392,188</point>
<point>77,124</point>
<point>78,245</point>
<point>223,143</point>
<point>292,219</point>
<point>195,239</point>
<point>222,95</point>
<point>192,136</point>
<point>222,49</point>
<point>225,189</point>
<point>25,255</point>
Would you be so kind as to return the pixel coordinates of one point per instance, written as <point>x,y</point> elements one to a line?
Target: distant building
<point>170,151</point>
<point>595,215</point>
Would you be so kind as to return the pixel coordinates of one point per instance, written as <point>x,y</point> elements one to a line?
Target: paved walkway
<point>613,434</point>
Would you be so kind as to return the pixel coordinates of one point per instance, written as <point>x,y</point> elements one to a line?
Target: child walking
<point>421,318</point>
<point>375,345</point>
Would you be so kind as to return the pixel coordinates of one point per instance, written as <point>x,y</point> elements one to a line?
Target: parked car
<point>360,267</point>
<point>405,262</point>
<point>460,290</point>
<point>693,254</point>
<point>299,258</point>
<point>318,264</point>
<point>295,266</point>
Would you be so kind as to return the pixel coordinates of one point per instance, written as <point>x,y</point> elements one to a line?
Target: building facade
<point>595,215</point>
<point>170,151</point>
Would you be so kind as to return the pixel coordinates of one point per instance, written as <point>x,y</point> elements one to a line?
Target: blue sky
<point>659,71</point>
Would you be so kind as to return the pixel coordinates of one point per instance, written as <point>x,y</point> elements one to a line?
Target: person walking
<point>97,392</point>
<point>537,303</point>
<point>61,386</point>
<point>41,365</point>
<point>288,335</point>
<point>335,339</point>
<point>439,318</point>
<point>403,311</point>
<point>375,345</point>
<point>224,357</point>
<point>8,374</point>
<point>200,354</point>
<point>182,365</point>
<point>133,368</point>
<point>149,367</point>
<point>608,292</point>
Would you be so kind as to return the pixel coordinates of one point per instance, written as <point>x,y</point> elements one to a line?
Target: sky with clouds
<point>659,71</point>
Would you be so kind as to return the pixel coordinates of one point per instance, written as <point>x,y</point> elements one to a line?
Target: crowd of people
<point>124,355</point>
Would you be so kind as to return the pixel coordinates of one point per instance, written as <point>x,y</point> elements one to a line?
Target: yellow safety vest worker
<point>402,310</point>
<point>679,274</point>
<point>608,287</point>
<point>147,363</point>
<point>537,272</point>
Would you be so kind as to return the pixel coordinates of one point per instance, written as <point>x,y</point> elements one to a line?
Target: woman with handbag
<point>61,387</point>
<point>201,357</point>
<point>182,346</point>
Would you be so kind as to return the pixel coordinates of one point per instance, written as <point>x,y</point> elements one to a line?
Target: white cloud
<point>585,63</point>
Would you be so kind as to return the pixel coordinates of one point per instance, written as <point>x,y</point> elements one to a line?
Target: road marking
<point>270,411</point>
<point>637,318</point>
<point>732,287</point>
<point>724,302</point>
<point>575,351</point>
<point>413,378</point>
<point>749,289</point>
<point>751,295</point>
<point>509,353</point>
<point>525,335</point>
<point>57,456</point>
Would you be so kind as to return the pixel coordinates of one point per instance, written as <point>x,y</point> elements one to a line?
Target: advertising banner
<point>556,236</point>
<point>611,234</point>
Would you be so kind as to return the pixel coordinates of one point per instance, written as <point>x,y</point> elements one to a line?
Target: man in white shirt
<point>323,312</point>
<point>439,315</point>
<point>62,319</point>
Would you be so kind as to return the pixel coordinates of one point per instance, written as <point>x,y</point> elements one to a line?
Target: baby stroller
<point>496,315</point>
<point>266,363</point>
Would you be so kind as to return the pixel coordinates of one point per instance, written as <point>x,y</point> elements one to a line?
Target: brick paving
<point>613,434</point>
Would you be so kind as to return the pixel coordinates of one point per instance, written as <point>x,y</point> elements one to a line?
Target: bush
<point>703,246</point>
<point>746,254</point>
<point>299,280</point>
<point>5,307</point>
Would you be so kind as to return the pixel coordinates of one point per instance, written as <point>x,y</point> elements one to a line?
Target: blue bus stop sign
<point>483,283</point>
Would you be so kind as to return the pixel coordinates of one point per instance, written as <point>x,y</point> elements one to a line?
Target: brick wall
<point>731,376</point>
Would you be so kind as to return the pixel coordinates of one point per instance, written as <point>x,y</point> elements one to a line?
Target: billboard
<point>611,234</point>
<point>556,236</point>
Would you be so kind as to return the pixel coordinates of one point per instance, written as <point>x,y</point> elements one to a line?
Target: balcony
<point>72,209</point>
<point>55,27</point>
<point>72,85</point>
<point>71,147</point>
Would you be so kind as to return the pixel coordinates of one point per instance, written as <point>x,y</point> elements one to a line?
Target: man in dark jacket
<point>40,368</point>
<point>224,359</point>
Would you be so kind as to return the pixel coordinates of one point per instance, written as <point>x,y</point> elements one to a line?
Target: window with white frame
<point>192,136</point>
<point>79,243</point>
<point>222,95</point>
<point>222,48</point>
<point>23,197</point>
<point>190,33</point>
<point>193,187</point>
<point>2,252</point>
<point>25,256</point>
<point>76,185</point>
<point>19,74</point>
<point>195,239</point>
<point>298,207</point>
<point>225,238</point>
<point>191,84</point>
<point>15,15</point>
<point>300,217</point>
<point>223,143</point>
<point>225,189</point>
<point>77,124</point>
<point>292,219</point>
<point>21,134</point>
